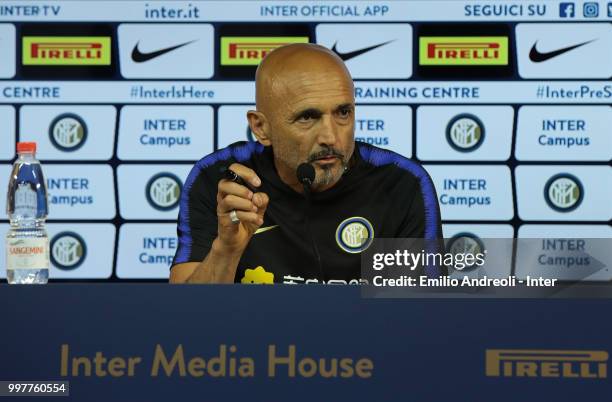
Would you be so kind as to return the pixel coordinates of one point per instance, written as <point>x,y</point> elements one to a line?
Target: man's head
<point>306,112</point>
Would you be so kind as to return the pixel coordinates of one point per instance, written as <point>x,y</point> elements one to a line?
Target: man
<point>269,230</point>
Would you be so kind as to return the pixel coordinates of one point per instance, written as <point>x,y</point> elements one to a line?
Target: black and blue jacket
<point>381,195</point>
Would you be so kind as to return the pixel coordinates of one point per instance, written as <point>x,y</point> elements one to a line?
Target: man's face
<point>313,120</point>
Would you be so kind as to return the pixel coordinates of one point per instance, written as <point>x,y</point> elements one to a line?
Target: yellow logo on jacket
<point>258,276</point>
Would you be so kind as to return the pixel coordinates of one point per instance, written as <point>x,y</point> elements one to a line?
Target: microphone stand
<point>307,183</point>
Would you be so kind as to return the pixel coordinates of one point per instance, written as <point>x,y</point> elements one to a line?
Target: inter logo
<point>466,244</point>
<point>355,234</point>
<point>68,250</point>
<point>66,50</point>
<point>563,192</point>
<point>463,50</point>
<point>163,191</point>
<point>586,364</point>
<point>68,132</point>
<point>465,133</point>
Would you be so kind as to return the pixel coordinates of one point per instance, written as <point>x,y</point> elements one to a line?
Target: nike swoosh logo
<point>140,57</point>
<point>261,230</point>
<point>538,57</point>
<point>349,55</point>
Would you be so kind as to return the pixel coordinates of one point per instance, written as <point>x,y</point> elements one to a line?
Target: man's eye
<point>344,112</point>
<point>306,116</point>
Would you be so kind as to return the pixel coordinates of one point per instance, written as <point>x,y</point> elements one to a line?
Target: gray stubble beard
<point>327,176</point>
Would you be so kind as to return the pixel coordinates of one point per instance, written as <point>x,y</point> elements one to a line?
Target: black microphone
<point>306,175</point>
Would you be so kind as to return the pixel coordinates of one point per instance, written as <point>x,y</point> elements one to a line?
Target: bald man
<point>268,226</point>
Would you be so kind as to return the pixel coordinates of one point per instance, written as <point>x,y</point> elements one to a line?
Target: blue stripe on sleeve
<point>380,157</point>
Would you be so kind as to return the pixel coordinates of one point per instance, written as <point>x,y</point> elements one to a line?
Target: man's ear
<point>259,126</point>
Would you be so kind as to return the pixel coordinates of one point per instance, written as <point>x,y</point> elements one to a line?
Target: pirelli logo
<point>250,50</point>
<point>463,50</point>
<point>66,50</point>
<point>546,363</point>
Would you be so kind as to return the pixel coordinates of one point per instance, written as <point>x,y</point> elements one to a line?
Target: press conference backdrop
<point>507,104</point>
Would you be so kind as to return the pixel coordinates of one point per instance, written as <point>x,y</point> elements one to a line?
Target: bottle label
<point>30,253</point>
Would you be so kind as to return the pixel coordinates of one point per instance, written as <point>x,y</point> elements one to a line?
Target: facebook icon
<point>566,10</point>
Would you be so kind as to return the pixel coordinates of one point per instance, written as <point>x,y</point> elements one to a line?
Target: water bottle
<point>27,244</point>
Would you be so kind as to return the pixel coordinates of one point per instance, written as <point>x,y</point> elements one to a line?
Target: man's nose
<point>328,132</point>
